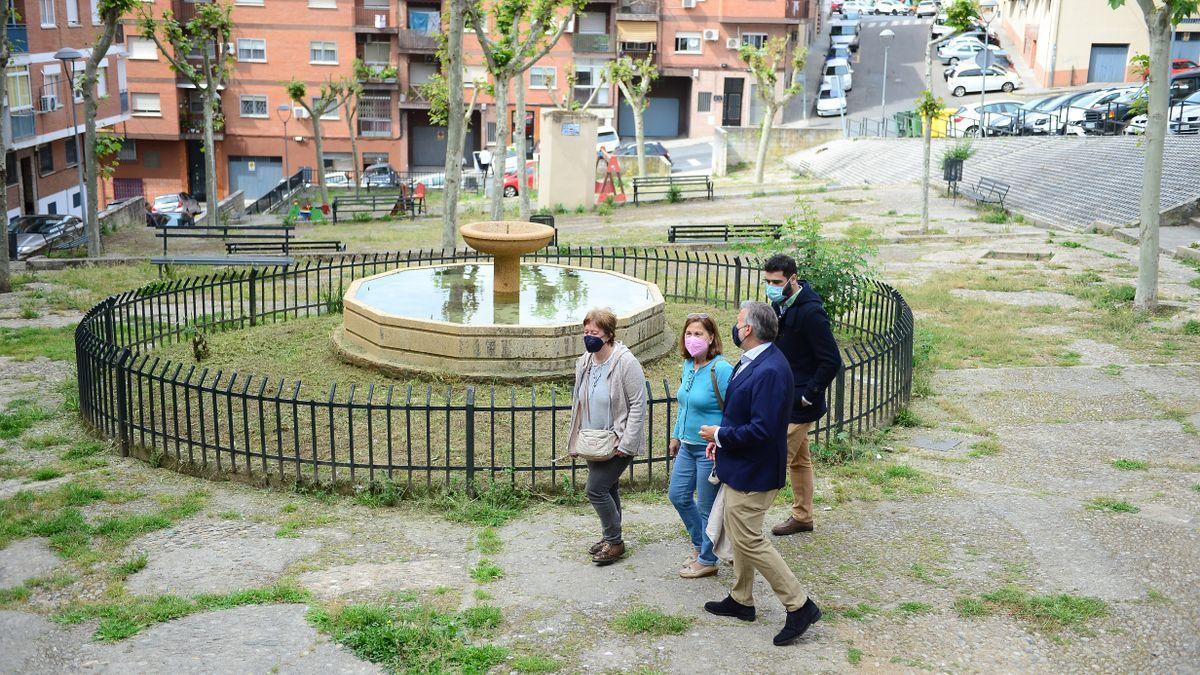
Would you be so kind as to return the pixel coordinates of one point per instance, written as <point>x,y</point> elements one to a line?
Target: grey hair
<point>762,319</point>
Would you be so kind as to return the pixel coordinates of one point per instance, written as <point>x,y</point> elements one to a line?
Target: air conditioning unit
<point>689,4</point>
<point>381,20</point>
<point>732,43</point>
<point>711,34</point>
<point>48,104</point>
<point>300,112</point>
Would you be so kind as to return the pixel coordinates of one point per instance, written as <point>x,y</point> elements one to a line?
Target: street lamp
<point>988,11</point>
<point>886,36</point>
<point>280,113</point>
<point>69,56</point>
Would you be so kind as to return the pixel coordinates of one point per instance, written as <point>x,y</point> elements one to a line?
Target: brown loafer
<point>791,526</point>
<point>697,570</point>
<point>595,548</point>
<point>609,554</point>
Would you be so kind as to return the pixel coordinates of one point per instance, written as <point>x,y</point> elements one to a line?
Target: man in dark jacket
<point>807,341</point>
<point>750,448</point>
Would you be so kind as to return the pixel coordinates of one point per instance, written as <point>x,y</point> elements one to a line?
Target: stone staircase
<point>1069,182</point>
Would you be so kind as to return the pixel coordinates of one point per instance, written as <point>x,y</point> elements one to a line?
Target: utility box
<point>567,163</point>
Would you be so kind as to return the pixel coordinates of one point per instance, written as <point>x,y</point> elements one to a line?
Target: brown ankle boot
<point>609,554</point>
<point>791,526</point>
<point>595,548</point>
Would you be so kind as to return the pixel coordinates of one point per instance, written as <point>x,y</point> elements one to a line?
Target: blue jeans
<point>693,496</point>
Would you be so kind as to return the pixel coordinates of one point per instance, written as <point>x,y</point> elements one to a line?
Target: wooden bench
<point>733,232</point>
<point>987,191</point>
<point>374,204</point>
<point>260,233</point>
<point>645,185</point>
<point>233,247</point>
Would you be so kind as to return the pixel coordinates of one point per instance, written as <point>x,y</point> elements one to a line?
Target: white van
<point>844,33</point>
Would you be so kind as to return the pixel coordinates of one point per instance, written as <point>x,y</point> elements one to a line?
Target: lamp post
<point>988,11</point>
<point>285,118</point>
<point>69,56</point>
<point>886,36</point>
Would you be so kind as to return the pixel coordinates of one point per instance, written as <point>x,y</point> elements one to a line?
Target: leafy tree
<point>633,78</point>
<point>7,15</point>
<point>208,34</point>
<point>960,16</point>
<point>525,31</point>
<point>333,94</point>
<point>765,64</point>
<point>1161,18</point>
<point>350,106</point>
<point>568,102</point>
<point>928,107</point>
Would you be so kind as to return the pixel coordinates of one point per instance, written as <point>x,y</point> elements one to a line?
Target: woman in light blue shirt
<point>701,398</point>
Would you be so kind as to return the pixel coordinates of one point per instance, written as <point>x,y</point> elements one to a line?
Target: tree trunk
<point>927,144</point>
<point>351,113</point>
<point>456,123</point>
<point>5,271</point>
<point>500,157</point>
<point>91,173</point>
<point>211,198</point>
<point>639,135</point>
<point>1159,23</point>
<point>322,189</point>
<point>522,186</point>
<point>764,138</point>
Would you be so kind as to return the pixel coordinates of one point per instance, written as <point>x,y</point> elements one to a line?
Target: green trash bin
<point>908,124</point>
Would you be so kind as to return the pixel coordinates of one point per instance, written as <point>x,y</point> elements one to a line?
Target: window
<point>687,43</point>
<point>51,85</point>
<point>254,3</point>
<point>252,50</point>
<point>322,52</point>
<point>543,78</point>
<point>322,4</point>
<point>45,158</point>
<point>72,151</point>
<point>128,151</point>
<point>329,115</point>
<point>72,12</point>
<point>48,13</point>
<point>75,199</point>
<point>473,74</point>
<point>146,105</point>
<point>142,49</point>
<point>424,21</point>
<point>588,78</point>
<point>254,105</point>
<point>375,115</point>
<point>490,133</point>
<point>20,96</point>
<point>152,159</point>
<point>704,102</point>
<point>757,40</point>
<point>10,165</point>
<point>101,82</point>
<point>377,53</point>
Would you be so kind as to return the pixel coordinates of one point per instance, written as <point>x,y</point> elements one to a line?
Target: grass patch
<point>970,607</point>
<point>19,416</point>
<point>1130,464</point>
<point>46,473</point>
<point>486,571</point>
<point>908,419</point>
<point>407,637</point>
<point>854,656</point>
<point>915,608</point>
<point>482,618</point>
<point>532,663</point>
<point>1113,369</point>
<point>647,621</point>
<point>28,343</point>
<point>1047,612</point>
<point>488,542</point>
<point>984,448</point>
<point>131,566</point>
<point>856,612</point>
<point>131,615</point>
<point>1111,504</point>
<point>43,441</point>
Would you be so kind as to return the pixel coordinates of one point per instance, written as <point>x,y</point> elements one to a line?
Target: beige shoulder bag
<point>595,445</point>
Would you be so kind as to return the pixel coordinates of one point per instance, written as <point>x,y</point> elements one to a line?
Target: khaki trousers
<point>800,471</point>
<point>752,552</point>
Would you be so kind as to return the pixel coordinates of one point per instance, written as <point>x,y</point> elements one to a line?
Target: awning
<point>637,31</point>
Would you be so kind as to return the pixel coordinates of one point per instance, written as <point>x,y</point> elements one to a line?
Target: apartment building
<point>1064,49</point>
<point>263,137</point>
<point>42,156</point>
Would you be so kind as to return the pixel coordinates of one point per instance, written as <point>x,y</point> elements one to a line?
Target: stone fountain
<point>493,320</point>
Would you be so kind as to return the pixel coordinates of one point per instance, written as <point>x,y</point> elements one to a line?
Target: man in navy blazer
<point>750,448</point>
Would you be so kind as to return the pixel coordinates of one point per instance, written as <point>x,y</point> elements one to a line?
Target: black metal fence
<point>268,430</point>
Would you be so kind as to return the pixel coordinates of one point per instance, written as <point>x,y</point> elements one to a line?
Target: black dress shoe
<point>730,607</point>
<point>798,622</point>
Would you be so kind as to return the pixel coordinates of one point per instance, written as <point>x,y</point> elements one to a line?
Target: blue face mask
<point>774,293</point>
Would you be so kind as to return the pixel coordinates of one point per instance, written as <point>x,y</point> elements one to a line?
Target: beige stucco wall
<point>567,166</point>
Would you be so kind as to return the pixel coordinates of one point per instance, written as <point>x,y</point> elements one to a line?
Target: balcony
<point>24,124</point>
<point>411,98</point>
<point>18,37</point>
<point>592,43</point>
<point>638,10</point>
<point>640,50</point>
<point>796,9</point>
<point>603,98</point>
<point>416,41</point>
<point>191,126</point>
<point>374,19</point>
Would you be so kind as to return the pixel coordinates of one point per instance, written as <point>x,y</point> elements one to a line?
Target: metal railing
<point>412,40</point>
<point>593,43</point>
<point>642,7</point>
<point>281,192</point>
<point>368,17</point>
<point>24,124</point>
<point>18,37</point>
<point>266,429</point>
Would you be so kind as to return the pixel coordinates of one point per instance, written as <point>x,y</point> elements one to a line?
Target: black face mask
<point>737,336</point>
<point>592,343</point>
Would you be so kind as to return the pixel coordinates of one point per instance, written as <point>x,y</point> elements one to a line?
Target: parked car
<point>176,202</point>
<point>939,27</point>
<point>36,234</point>
<point>606,139</point>
<point>1011,123</point>
<point>982,35</point>
<point>830,102</point>
<point>380,176</point>
<point>1051,116</point>
<point>512,185</point>
<point>653,149</point>
<point>961,49</point>
<point>859,6</point>
<point>844,33</point>
<point>973,80</point>
<point>970,118</point>
<point>1181,65</point>
<point>893,7</point>
<point>927,8</point>
<point>838,52</point>
<point>840,68</point>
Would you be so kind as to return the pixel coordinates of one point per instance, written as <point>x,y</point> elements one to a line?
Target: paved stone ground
<point>1012,458</point>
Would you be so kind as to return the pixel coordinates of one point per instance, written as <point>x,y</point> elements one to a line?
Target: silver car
<point>37,234</point>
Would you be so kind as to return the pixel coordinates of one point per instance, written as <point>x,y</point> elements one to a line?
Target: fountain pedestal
<point>507,241</point>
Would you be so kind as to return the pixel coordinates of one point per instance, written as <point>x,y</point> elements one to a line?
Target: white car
<point>860,6</point>
<point>844,34</point>
<point>966,120</point>
<point>939,27</point>
<point>963,49</point>
<point>830,102</point>
<point>927,8</point>
<point>606,139</point>
<point>893,7</point>
<point>973,80</point>
<point>840,68</point>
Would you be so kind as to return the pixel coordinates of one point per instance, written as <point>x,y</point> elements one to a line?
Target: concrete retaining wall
<point>128,212</point>
<point>736,145</point>
<point>232,208</point>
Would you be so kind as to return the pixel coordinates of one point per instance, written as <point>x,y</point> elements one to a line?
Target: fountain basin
<point>506,241</point>
<point>446,319</point>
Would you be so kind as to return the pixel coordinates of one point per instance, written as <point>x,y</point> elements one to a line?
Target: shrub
<point>362,217</point>
<point>963,150</point>
<point>674,195</point>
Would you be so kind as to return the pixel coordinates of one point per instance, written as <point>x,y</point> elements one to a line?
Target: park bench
<point>68,244</point>
<point>987,191</point>
<point>733,232</point>
<point>646,185</point>
<point>260,233</point>
<point>233,247</point>
<point>373,204</point>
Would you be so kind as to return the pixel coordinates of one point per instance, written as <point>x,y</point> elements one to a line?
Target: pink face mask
<point>695,345</point>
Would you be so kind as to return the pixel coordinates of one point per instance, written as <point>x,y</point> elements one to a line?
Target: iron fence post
<point>110,328</point>
<point>470,422</point>
<point>122,402</point>
<point>737,280</point>
<point>253,296</point>
<point>839,400</point>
